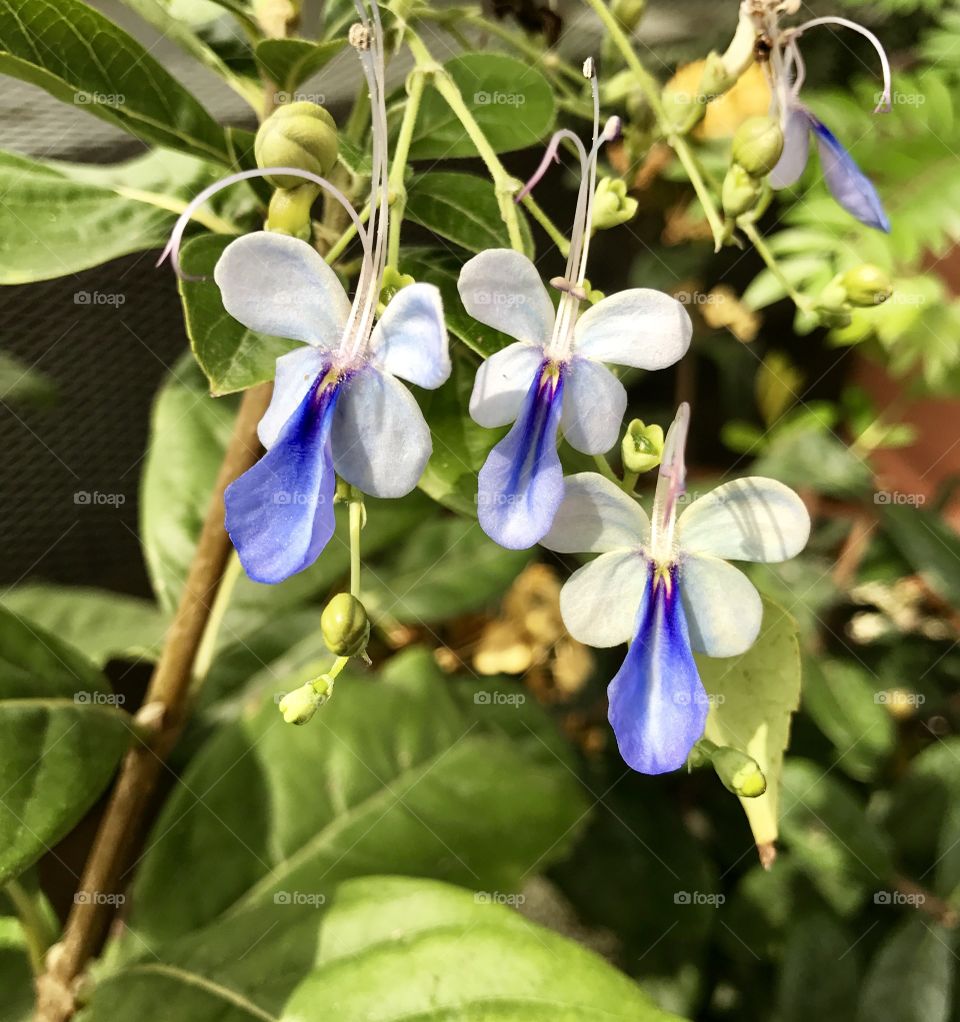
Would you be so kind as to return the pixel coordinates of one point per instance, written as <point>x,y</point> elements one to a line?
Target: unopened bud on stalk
<point>739,772</point>
<point>741,191</point>
<point>345,625</point>
<point>300,705</point>
<point>628,12</point>
<point>866,285</point>
<point>301,135</point>
<point>392,282</point>
<point>758,145</point>
<point>642,447</point>
<point>611,204</point>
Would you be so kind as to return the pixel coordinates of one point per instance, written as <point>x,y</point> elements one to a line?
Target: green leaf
<point>232,357</point>
<point>460,446</point>
<point>442,269</point>
<point>16,978</point>
<point>819,978</point>
<point>753,698</point>
<point>911,978</point>
<point>188,435</point>
<point>842,700</point>
<point>446,568</point>
<point>80,57</point>
<point>59,218</point>
<point>61,736</point>
<point>463,209</point>
<point>100,624</point>
<point>355,159</point>
<point>384,948</point>
<point>290,62</point>
<point>814,457</point>
<point>929,544</point>
<point>21,384</point>
<point>392,775</point>
<point>831,838</point>
<point>511,101</point>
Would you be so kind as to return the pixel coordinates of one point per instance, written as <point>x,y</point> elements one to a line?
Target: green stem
<point>203,216</point>
<point>36,929</point>
<point>336,250</point>
<point>416,82</point>
<point>221,602</point>
<point>504,185</point>
<point>756,239</point>
<point>651,90</point>
<point>604,466</point>
<point>556,235</point>
<point>629,483</point>
<point>356,524</point>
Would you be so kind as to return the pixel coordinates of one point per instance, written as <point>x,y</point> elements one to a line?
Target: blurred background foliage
<point>476,750</point>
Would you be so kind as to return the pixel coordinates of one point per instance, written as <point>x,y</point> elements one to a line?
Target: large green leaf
<point>232,356</point>
<point>80,57</point>
<point>290,62</point>
<point>510,100</point>
<point>392,775</point>
<point>831,838</point>
<point>59,218</point>
<point>16,979</point>
<point>753,698</point>
<point>912,976</point>
<point>463,209</point>
<point>819,977</point>
<point>188,435</point>
<point>447,567</point>
<point>100,624</point>
<point>61,736</point>
<point>377,949</point>
<point>929,544</point>
<point>460,446</point>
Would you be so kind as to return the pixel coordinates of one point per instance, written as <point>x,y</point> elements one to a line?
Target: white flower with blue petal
<point>338,406</point>
<point>664,585</point>
<point>851,188</point>
<point>554,377</point>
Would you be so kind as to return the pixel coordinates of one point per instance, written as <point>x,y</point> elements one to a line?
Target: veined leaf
<point>392,775</point>
<point>290,62</point>
<point>80,57</point>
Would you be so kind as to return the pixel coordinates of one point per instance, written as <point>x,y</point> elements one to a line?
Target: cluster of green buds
<point>641,447</point>
<point>739,773</point>
<point>757,146</point>
<point>302,136</point>
<point>611,204</point>
<point>863,287</point>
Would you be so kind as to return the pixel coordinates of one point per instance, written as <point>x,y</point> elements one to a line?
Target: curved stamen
<point>671,485</point>
<point>885,103</point>
<point>176,235</point>
<point>551,155</point>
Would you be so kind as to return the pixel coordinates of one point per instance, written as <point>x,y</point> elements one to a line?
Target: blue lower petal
<point>658,706</point>
<point>847,182</point>
<point>520,485</point>
<point>280,512</point>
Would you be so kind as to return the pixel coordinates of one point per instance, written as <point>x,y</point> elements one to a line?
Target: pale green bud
<point>392,282</point>
<point>757,145</point>
<point>866,285</point>
<point>345,625</point>
<point>628,12</point>
<point>611,204</point>
<point>741,191</point>
<point>642,447</point>
<point>301,135</point>
<point>739,772</point>
<point>300,705</point>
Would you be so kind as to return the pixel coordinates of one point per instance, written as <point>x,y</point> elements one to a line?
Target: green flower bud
<point>642,447</point>
<point>345,625</point>
<point>301,135</point>
<point>715,79</point>
<point>300,705</point>
<point>739,772</point>
<point>757,145</point>
<point>866,285</point>
<point>611,204</point>
<point>628,12</point>
<point>393,281</point>
<point>741,191</point>
<point>617,89</point>
<point>683,111</point>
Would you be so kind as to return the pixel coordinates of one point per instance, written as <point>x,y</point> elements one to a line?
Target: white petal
<point>599,601</point>
<point>640,327</point>
<point>278,285</point>
<point>596,516</point>
<point>503,289</point>
<point>502,383</point>
<point>722,607</point>
<point>752,519</point>
<point>296,372</point>
<point>796,149</point>
<point>593,405</point>
<point>410,339</point>
<point>381,442</point>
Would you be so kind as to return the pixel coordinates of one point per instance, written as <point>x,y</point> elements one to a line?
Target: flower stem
<point>756,239</point>
<point>504,185</point>
<point>416,81</point>
<point>37,933</point>
<point>604,466</point>
<point>356,524</point>
<point>651,90</point>
<point>556,235</point>
<point>221,602</point>
<point>337,248</point>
